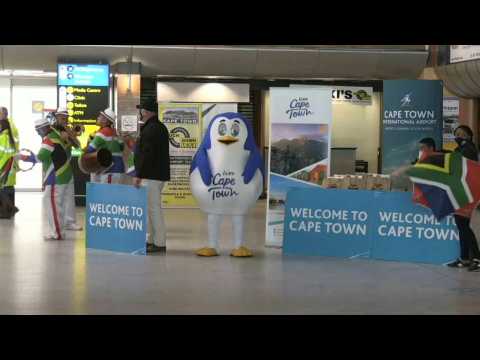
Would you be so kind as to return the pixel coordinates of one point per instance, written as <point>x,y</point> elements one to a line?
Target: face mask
<point>420,155</point>
<point>459,140</point>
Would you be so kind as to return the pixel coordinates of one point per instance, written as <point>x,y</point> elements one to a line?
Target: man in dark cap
<point>152,169</point>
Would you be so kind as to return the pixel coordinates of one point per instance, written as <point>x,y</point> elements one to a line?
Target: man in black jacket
<point>152,168</point>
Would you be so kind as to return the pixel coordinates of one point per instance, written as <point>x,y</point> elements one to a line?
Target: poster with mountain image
<point>300,121</point>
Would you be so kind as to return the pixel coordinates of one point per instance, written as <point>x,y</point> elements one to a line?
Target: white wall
<point>5,93</point>
<point>358,126</point>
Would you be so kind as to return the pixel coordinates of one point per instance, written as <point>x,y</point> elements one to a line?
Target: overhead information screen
<point>83,75</point>
<point>83,89</point>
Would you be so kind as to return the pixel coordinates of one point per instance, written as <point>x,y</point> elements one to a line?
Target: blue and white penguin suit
<point>226,178</point>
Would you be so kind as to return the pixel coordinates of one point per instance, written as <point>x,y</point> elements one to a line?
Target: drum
<point>95,162</point>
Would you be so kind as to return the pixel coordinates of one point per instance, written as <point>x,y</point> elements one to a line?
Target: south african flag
<point>446,183</point>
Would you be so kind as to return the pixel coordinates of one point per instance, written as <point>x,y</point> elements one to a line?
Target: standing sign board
<point>116,218</point>
<point>366,224</point>
<point>300,132</point>
<point>412,110</point>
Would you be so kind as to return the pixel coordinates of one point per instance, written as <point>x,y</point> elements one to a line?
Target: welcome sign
<point>116,218</point>
<point>366,224</point>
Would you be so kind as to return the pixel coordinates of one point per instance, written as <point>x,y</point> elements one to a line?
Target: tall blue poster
<point>412,110</point>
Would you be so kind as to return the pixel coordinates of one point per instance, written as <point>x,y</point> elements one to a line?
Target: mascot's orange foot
<point>207,252</point>
<point>241,252</point>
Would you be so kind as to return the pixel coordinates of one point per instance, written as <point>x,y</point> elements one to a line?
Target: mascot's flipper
<point>242,252</point>
<point>207,252</point>
<point>254,162</point>
<point>200,161</point>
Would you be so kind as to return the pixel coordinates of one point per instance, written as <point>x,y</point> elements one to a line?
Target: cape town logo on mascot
<point>226,178</point>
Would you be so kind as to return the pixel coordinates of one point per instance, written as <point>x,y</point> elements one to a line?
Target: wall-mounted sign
<point>349,94</point>
<point>38,106</point>
<point>129,123</point>
<point>460,53</point>
<point>451,113</point>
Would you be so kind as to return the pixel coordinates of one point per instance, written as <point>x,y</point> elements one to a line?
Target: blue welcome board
<point>116,218</point>
<point>366,224</point>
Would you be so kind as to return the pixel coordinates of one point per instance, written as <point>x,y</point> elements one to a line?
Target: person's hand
<point>399,172</point>
<point>137,182</point>
<point>64,135</point>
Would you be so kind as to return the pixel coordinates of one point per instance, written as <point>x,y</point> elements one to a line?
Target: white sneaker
<point>74,227</point>
<point>50,237</point>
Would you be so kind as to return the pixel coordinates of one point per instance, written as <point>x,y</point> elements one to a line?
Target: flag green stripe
<point>452,180</point>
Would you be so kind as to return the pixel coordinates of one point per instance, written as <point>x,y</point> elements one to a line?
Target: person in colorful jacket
<point>130,158</point>
<point>57,174</point>
<point>106,138</point>
<point>60,125</point>
<point>9,146</point>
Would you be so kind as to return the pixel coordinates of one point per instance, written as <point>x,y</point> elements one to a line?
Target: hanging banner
<point>186,124</point>
<point>412,110</point>
<point>451,113</point>
<point>300,132</point>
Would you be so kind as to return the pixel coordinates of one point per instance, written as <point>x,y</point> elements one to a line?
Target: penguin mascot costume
<point>226,178</point>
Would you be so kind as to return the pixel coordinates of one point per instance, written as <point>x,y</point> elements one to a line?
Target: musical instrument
<point>32,164</point>
<point>95,162</point>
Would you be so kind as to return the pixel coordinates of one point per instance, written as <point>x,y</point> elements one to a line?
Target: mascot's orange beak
<point>227,139</point>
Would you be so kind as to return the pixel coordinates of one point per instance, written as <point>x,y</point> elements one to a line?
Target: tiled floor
<point>61,277</point>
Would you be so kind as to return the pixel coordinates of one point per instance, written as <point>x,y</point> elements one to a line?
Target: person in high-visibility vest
<point>106,138</point>
<point>9,146</point>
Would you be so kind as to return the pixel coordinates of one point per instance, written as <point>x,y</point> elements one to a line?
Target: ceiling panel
<point>296,63</point>
<point>225,62</point>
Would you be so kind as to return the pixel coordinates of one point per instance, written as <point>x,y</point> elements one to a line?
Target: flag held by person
<point>446,183</point>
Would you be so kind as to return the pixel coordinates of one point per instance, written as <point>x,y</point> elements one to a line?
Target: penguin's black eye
<point>222,129</point>
<point>235,129</point>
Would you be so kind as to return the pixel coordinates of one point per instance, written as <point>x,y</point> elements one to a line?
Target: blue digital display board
<point>83,75</point>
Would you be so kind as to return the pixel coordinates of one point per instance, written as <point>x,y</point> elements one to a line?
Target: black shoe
<point>474,266</point>
<point>459,264</point>
<point>152,248</point>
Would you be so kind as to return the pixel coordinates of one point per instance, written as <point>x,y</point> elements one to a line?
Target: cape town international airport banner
<point>412,110</point>
<point>300,132</point>
<point>186,124</point>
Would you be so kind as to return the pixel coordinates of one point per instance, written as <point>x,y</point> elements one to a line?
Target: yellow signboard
<point>184,124</point>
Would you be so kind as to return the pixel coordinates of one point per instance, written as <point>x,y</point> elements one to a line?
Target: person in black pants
<point>469,251</point>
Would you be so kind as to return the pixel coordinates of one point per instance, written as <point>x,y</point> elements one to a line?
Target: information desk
<point>366,224</point>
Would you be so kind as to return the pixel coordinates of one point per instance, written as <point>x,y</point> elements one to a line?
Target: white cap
<point>61,111</point>
<point>40,123</point>
<point>109,114</point>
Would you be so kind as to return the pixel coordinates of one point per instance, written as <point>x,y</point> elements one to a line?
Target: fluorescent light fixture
<point>34,73</point>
